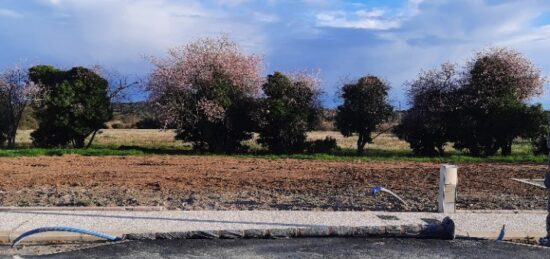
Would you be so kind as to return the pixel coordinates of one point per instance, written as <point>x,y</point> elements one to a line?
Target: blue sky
<point>342,39</point>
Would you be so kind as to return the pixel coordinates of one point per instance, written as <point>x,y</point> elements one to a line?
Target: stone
<point>204,235</point>
<point>315,232</point>
<point>278,233</point>
<point>231,234</point>
<point>376,230</point>
<point>254,233</point>
<point>340,231</point>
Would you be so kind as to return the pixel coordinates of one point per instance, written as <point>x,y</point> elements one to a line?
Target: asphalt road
<point>309,248</point>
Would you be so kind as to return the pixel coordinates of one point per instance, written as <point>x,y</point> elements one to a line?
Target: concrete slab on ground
<point>483,224</point>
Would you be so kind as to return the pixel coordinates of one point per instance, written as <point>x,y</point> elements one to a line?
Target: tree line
<point>214,96</point>
<point>480,108</point>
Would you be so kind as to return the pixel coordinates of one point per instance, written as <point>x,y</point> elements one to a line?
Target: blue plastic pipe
<point>63,229</point>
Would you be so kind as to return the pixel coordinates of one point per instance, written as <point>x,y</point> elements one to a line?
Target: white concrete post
<point>448,179</point>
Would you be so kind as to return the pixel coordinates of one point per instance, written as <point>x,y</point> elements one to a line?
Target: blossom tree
<point>206,90</point>
<point>17,92</point>
<point>425,126</point>
<point>493,103</point>
<point>497,72</point>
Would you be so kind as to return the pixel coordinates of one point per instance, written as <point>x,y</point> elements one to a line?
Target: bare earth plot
<point>228,183</point>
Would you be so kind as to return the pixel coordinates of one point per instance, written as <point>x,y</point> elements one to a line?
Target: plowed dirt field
<point>226,183</point>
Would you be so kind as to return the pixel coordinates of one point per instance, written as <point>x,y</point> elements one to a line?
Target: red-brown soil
<point>224,183</point>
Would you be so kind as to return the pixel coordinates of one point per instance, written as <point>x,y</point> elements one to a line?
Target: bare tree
<point>17,92</point>
<point>119,84</point>
<point>119,87</point>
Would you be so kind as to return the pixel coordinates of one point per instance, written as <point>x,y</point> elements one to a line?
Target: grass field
<point>143,142</point>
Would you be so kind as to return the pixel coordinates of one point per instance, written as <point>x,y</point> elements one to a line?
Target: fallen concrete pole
<point>444,230</point>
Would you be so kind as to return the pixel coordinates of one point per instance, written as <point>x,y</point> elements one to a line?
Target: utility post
<point>547,184</point>
<point>448,179</point>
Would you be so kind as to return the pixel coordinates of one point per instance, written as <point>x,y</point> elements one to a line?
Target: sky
<point>343,40</point>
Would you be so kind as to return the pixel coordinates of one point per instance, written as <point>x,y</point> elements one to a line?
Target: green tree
<point>290,108</point>
<point>75,105</point>
<point>365,107</point>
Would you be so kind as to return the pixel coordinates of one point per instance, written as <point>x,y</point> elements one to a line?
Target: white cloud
<point>392,42</point>
<point>266,17</point>
<point>397,43</point>
<point>371,13</point>
<point>364,20</point>
<point>232,2</point>
<point>379,18</point>
<point>10,13</point>
<point>117,32</point>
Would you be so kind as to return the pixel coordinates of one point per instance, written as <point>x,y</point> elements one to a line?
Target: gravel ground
<point>229,183</point>
<point>518,225</point>
<point>310,248</point>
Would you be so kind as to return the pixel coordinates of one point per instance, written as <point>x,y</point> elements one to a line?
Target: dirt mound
<point>224,183</point>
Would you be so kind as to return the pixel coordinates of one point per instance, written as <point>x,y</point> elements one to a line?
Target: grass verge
<point>342,155</point>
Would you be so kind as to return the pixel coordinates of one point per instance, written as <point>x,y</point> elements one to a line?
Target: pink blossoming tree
<point>17,92</point>
<point>493,102</point>
<point>206,90</point>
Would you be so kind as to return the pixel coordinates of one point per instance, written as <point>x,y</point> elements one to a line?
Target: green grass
<point>154,142</point>
<point>402,155</point>
<point>342,155</point>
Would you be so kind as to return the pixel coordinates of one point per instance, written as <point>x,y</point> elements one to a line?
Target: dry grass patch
<point>164,139</point>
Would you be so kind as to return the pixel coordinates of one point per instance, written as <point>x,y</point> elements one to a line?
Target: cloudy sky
<point>343,39</point>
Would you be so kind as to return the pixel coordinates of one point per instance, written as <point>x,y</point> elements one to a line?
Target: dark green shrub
<point>118,125</point>
<point>327,145</point>
<point>75,105</point>
<point>540,145</point>
<point>149,123</point>
<point>290,109</point>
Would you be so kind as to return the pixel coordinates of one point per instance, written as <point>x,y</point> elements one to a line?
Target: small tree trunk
<point>361,144</point>
<point>91,139</point>
<point>11,140</point>
<point>79,143</point>
<point>506,149</point>
<point>11,137</point>
<point>441,150</point>
<point>475,151</point>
